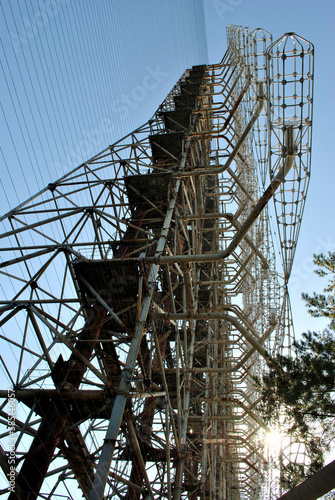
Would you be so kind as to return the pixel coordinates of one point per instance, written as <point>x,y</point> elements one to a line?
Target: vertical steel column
<point>126,378</point>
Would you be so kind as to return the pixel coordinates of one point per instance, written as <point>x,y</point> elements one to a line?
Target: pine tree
<point>321,305</point>
<point>299,391</point>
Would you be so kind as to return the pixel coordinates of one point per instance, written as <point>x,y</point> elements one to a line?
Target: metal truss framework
<point>143,292</point>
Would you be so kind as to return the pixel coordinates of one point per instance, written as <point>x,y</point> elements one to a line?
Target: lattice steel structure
<point>143,292</point>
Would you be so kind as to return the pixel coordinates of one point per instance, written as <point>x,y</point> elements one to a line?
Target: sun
<point>274,440</point>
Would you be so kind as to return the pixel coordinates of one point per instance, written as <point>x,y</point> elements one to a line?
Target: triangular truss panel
<point>142,292</point>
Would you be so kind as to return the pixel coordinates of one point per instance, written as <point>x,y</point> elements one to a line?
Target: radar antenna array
<point>143,291</point>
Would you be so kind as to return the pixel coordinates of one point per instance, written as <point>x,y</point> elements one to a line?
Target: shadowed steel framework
<point>145,295</point>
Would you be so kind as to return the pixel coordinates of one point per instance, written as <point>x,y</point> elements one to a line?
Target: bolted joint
<point>260,91</point>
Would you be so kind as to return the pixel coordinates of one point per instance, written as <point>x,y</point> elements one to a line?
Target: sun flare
<point>274,439</point>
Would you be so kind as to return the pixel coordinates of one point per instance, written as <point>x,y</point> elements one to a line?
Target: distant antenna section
<point>143,295</point>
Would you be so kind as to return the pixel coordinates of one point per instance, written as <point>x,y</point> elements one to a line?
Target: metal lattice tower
<point>143,292</point>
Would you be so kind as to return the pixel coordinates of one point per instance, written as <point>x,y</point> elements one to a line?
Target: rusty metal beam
<point>68,376</point>
<point>315,486</point>
<point>262,202</point>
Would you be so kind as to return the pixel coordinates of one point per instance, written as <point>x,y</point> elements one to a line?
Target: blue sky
<point>77,75</point>
<point>71,66</point>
